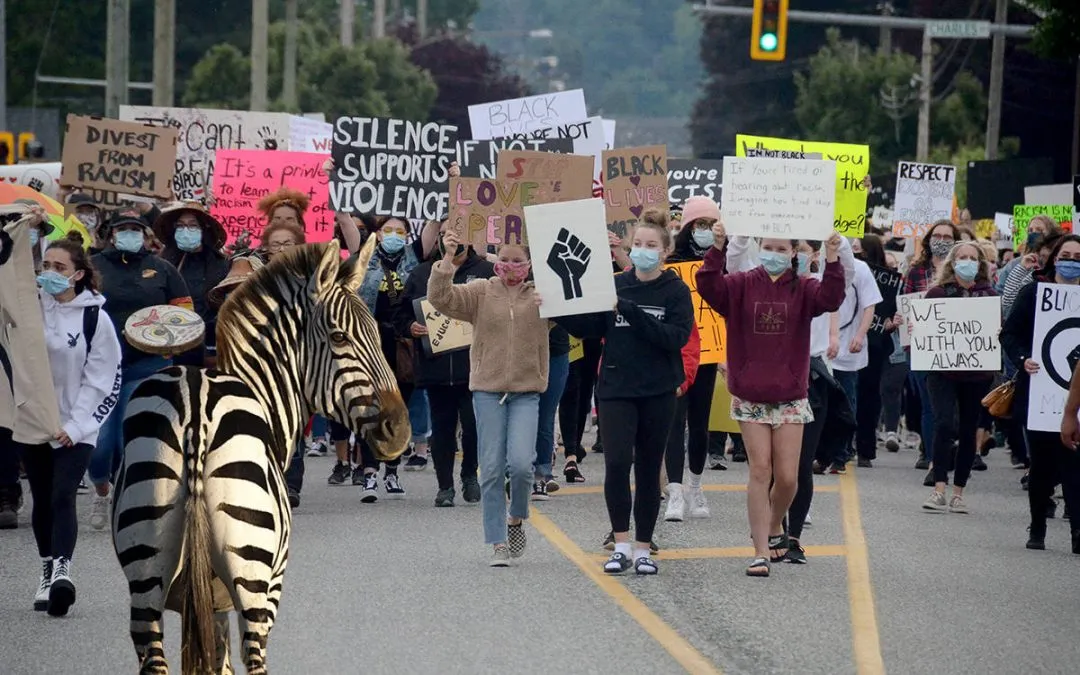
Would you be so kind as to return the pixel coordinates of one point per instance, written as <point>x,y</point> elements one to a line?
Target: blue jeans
<point>109,452</point>
<point>849,382</point>
<point>918,377</point>
<point>319,427</point>
<point>558,371</point>
<point>506,435</point>
<point>419,416</point>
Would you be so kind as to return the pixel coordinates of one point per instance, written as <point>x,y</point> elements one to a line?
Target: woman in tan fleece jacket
<point>508,372</point>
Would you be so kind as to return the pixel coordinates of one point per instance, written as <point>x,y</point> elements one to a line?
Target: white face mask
<point>88,218</point>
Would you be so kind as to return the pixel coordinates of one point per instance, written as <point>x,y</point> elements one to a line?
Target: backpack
<point>89,322</point>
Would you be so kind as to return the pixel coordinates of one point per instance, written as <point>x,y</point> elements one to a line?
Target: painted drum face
<point>164,329</point>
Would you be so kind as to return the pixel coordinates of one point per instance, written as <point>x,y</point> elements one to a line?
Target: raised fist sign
<point>569,258</point>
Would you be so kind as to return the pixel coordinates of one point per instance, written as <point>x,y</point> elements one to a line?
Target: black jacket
<point>442,369</point>
<point>643,339</point>
<point>201,271</point>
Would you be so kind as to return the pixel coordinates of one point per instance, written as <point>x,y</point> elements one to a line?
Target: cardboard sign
<point>389,167</point>
<point>204,131</point>
<point>44,177</point>
<point>693,178</point>
<point>889,283</point>
<point>571,263</point>
<point>711,326</point>
<point>903,305</point>
<point>308,135</point>
<point>573,172</point>
<point>479,159</point>
<point>924,194</point>
<point>1022,215</point>
<point>117,156</point>
<point>501,119</point>
<point>956,334</point>
<point>985,228</point>
<point>1056,347</point>
<point>852,168</point>
<point>445,335</point>
<point>635,180</point>
<point>486,212</point>
<point>788,198</point>
<point>243,177</point>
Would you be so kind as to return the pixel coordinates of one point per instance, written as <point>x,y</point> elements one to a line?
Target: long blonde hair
<point>947,275</point>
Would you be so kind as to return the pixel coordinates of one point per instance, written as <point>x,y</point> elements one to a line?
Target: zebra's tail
<point>197,632</point>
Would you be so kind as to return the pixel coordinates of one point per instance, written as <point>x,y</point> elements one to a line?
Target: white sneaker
<point>99,511</point>
<point>41,598</point>
<point>318,448</point>
<point>61,591</point>
<point>892,442</point>
<point>676,504</point>
<point>699,506</point>
<point>807,521</point>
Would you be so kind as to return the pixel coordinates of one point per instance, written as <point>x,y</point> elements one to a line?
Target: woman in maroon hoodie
<point>768,312</point>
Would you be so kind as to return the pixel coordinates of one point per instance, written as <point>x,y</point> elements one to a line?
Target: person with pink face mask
<point>509,370</point>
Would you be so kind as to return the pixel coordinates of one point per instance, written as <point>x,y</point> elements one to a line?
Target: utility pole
<point>997,75</point>
<point>3,65</point>
<point>288,86</point>
<point>117,37</point>
<point>347,20</point>
<point>260,27</point>
<point>922,144</point>
<point>421,17</point>
<point>164,52</point>
<point>378,19</point>
<point>885,39</point>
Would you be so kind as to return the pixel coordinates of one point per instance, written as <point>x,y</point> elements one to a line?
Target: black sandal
<point>645,566</point>
<point>758,568</point>
<point>572,473</point>
<point>779,545</point>
<point>617,564</point>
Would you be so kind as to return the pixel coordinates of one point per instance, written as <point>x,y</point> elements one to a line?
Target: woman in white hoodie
<point>84,356</point>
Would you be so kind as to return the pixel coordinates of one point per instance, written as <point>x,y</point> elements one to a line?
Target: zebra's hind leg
<point>222,660</point>
<point>147,634</point>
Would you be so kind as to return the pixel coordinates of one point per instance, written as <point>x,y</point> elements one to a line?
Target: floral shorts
<point>773,414</point>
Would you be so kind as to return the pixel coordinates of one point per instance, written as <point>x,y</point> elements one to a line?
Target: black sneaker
<point>539,492</point>
<point>83,487</point>
<point>738,455</point>
<point>864,463</point>
<point>1051,509</point>
<point>795,555</point>
<point>369,493</point>
<point>470,489</point>
<point>929,481</point>
<point>416,463</point>
<point>9,508</point>
<point>978,464</point>
<point>716,463</point>
<point>1024,481</point>
<point>598,446</point>
<point>516,540</point>
<point>358,476</point>
<point>294,498</point>
<point>393,487</point>
<point>339,474</point>
<point>445,498</point>
<point>923,464</point>
<point>609,541</point>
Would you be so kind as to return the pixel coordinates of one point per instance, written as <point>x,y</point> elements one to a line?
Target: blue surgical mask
<point>129,241</point>
<point>775,263</point>
<point>966,269</point>
<point>53,283</point>
<point>804,263</point>
<point>188,238</point>
<point>645,259</point>
<point>1069,270</point>
<point>393,243</point>
<point>703,238</point>
<point>35,237</point>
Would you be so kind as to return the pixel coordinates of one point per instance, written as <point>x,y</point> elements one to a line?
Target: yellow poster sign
<point>852,168</point>
<point>577,349</point>
<point>710,325</point>
<point>720,414</point>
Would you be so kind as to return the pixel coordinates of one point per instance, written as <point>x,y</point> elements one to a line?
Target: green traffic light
<point>768,42</point>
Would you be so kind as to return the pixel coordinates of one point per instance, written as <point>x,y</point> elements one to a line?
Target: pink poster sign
<point>243,177</point>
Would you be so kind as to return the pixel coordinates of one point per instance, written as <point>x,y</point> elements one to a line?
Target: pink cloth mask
<point>512,273</point>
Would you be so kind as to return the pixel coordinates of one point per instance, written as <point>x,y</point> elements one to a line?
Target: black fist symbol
<point>569,258</point>
<point>267,136</point>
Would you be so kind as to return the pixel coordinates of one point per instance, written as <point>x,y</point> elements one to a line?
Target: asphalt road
<point>402,587</point>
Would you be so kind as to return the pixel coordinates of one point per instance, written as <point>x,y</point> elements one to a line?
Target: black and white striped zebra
<point>201,518</point>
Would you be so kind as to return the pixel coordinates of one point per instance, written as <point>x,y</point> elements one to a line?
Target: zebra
<point>200,517</point>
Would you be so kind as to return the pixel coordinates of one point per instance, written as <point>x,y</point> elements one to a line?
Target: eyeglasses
<point>280,245</point>
<point>942,237</point>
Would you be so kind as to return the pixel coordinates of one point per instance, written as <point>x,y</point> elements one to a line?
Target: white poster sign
<point>789,198</point>
<point>1056,348</point>
<point>903,308</point>
<point>571,263</point>
<point>924,194</point>
<point>203,131</point>
<point>1061,193</point>
<point>43,176</point>
<point>502,119</point>
<point>609,134</point>
<point>1004,224</point>
<point>956,334</point>
<point>310,135</point>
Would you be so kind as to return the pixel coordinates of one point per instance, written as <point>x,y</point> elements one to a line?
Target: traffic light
<point>29,148</point>
<point>7,148</point>
<point>768,38</point>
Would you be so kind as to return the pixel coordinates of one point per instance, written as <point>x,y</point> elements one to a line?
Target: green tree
<point>221,79</point>
<point>1057,34</point>
<point>409,90</point>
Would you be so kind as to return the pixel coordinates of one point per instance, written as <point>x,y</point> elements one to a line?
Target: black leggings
<point>819,403</point>
<point>577,398</point>
<point>868,412</point>
<point>893,378</point>
<point>947,398</point>
<point>691,411</point>
<point>634,432</point>
<point>450,404</point>
<point>54,475</point>
<point>1051,463</point>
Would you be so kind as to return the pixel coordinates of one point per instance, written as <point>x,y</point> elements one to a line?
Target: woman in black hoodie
<point>640,371</point>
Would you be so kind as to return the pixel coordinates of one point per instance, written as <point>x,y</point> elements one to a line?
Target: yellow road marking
<point>866,643</point>
<point>681,650</point>
<point>722,487</point>
<point>731,552</point>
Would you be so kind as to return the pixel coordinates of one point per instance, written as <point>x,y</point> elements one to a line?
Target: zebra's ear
<point>356,267</point>
<point>326,272</point>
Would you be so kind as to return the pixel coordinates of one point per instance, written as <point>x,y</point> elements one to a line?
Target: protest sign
<point>1023,213</point>
<point>956,334</point>
<point>573,172</point>
<point>125,157</point>
<point>308,135</point>
<point>635,180</point>
<point>1076,193</point>
<point>1004,224</point>
<point>203,131</point>
<point>500,119</point>
<point>389,167</point>
<point>903,304</point>
<point>243,177</point>
<point>882,217</point>
<point>720,411</point>
<point>43,176</point>
<point>478,159</point>
<point>587,136</point>
<point>788,198</point>
<point>1060,193</point>
<point>609,134</point>
<point>571,263</point>
<point>694,177</point>
<point>577,349</point>
<point>486,212</point>
<point>852,168</point>
<point>1056,347</point>
<point>711,326</point>
<point>924,194</point>
<point>985,228</point>
<point>445,335</point>
<point>889,283</point>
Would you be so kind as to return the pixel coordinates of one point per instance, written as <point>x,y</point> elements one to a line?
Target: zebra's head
<point>299,334</point>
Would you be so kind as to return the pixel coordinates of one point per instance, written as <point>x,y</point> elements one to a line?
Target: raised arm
<point>828,295</point>
<point>740,257</point>
<point>457,301</point>
<point>714,284</point>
